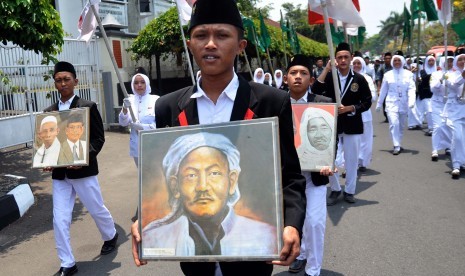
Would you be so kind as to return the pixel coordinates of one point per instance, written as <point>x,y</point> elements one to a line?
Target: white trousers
<point>396,127</point>
<point>313,238</point>
<point>425,111</point>
<point>350,149</point>
<point>366,145</point>
<point>64,196</point>
<point>441,138</point>
<point>457,151</point>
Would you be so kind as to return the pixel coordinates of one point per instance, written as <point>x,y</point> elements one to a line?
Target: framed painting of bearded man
<point>211,192</point>
<point>315,133</point>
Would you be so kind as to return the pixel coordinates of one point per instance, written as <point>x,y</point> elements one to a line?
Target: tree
<point>391,27</point>
<point>32,25</point>
<point>299,19</point>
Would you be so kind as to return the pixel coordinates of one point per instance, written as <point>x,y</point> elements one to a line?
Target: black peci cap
<point>343,46</point>
<point>300,60</point>
<point>399,53</point>
<point>460,51</point>
<point>215,12</point>
<point>63,66</point>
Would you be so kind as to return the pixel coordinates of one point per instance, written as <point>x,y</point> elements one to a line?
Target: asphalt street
<point>409,218</point>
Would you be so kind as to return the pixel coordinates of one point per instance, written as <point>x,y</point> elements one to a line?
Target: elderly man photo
<point>317,136</point>
<point>202,172</point>
<point>47,154</point>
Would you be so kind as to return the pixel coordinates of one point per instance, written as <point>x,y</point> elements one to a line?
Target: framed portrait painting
<point>211,192</point>
<point>61,138</point>
<point>315,130</point>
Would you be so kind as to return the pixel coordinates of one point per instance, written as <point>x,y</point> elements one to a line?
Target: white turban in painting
<point>310,157</point>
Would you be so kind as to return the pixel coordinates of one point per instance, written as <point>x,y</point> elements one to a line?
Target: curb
<point>15,198</point>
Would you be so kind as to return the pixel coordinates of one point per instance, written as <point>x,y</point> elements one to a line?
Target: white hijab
<point>270,79</point>
<point>455,63</point>
<point>362,61</point>
<point>429,69</point>
<point>258,80</point>
<point>148,89</point>
<point>279,80</point>
<point>398,72</point>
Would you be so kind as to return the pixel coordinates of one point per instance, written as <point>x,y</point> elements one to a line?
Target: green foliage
<point>33,25</point>
<point>299,19</point>
<point>161,36</point>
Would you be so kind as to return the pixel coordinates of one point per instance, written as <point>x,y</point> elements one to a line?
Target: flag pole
<point>269,61</point>
<point>418,50</point>
<point>256,47</point>
<point>113,60</point>
<point>445,60</point>
<point>284,49</point>
<point>337,92</point>
<point>191,70</point>
<point>248,64</point>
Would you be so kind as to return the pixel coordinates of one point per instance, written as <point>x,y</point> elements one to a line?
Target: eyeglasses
<point>65,80</point>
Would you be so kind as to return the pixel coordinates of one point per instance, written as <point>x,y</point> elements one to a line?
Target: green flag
<point>295,39</point>
<point>414,9</point>
<point>264,35</point>
<point>361,35</point>
<point>284,28</point>
<point>459,28</point>
<point>336,35</point>
<point>428,7</point>
<point>251,33</point>
<point>290,39</point>
<point>407,29</point>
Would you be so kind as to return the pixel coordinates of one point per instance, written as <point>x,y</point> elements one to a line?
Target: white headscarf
<point>442,63</point>
<point>398,72</point>
<point>279,80</point>
<point>148,89</point>
<point>258,80</point>
<point>270,79</point>
<point>363,71</point>
<point>455,63</point>
<point>429,69</point>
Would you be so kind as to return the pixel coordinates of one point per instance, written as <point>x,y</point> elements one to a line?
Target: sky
<point>372,11</point>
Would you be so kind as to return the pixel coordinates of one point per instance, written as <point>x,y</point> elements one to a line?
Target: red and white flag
<point>444,11</point>
<point>185,10</point>
<point>87,21</point>
<point>342,10</point>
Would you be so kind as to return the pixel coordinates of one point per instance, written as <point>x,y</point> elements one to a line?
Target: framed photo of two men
<point>61,138</point>
<point>211,192</point>
<point>315,130</point>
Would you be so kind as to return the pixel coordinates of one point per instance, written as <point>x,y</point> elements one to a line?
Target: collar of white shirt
<point>230,91</point>
<point>65,105</point>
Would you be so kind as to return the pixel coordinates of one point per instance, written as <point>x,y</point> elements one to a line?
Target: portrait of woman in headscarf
<point>317,139</point>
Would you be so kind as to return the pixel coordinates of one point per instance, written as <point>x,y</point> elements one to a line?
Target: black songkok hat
<point>399,53</point>
<point>449,53</point>
<point>63,66</point>
<point>459,51</point>
<point>75,118</point>
<point>215,12</point>
<point>388,54</point>
<point>300,60</point>
<point>343,46</point>
<point>358,54</point>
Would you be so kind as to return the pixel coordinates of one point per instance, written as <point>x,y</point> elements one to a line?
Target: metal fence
<point>24,90</point>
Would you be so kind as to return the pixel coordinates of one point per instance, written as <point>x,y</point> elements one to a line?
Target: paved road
<point>409,218</point>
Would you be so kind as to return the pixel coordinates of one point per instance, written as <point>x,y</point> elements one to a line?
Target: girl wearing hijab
<point>424,92</point>
<point>268,80</point>
<point>258,75</point>
<point>278,79</point>
<point>366,141</point>
<point>143,106</point>
<point>398,88</point>
<point>441,134</point>
<point>455,114</point>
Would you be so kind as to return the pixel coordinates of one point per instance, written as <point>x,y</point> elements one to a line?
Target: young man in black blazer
<point>355,99</point>
<point>216,38</point>
<point>80,180</point>
<point>298,79</point>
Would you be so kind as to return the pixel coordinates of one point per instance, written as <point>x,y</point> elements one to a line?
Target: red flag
<point>315,18</point>
<point>87,21</point>
<point>444,11</point>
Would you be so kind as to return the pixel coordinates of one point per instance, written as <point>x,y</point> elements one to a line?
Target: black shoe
<point>386,120</point>
<point>434,157</point>
<point>66,271</point>
<point>362,169</point>
<point>297,266</point>
<point>447,151</point>
<point>343,174</point>
<point>455,173</point>
<point>349,198</point>
<point>332,199</point>
<point>396,151</point>
<point>109,246</point>
<point>429,133</point>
